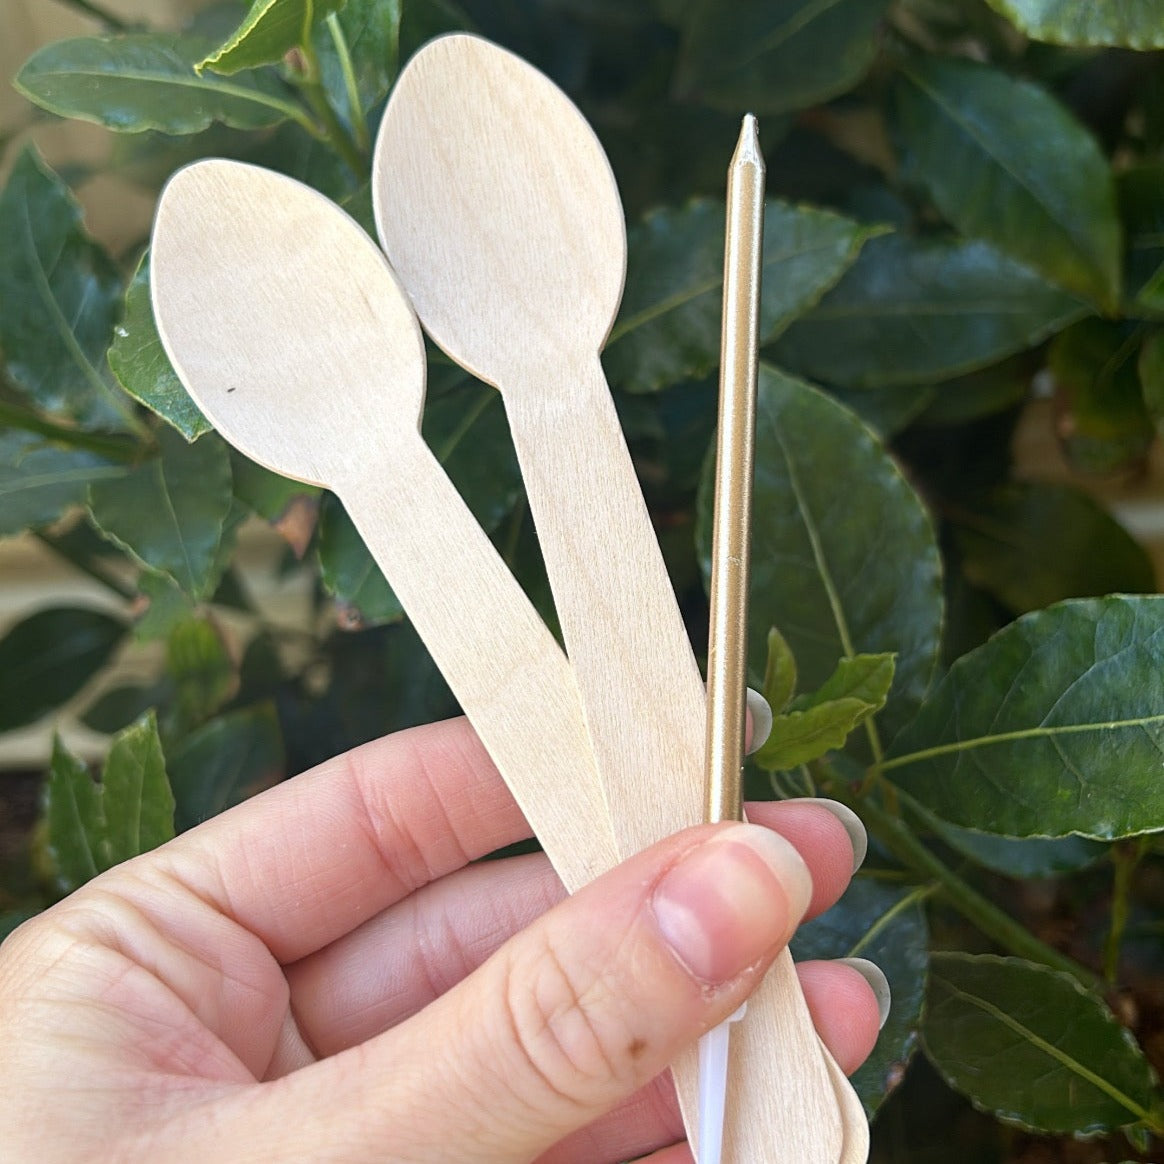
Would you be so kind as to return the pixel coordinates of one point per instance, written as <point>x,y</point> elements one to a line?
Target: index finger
<point>310,860</point>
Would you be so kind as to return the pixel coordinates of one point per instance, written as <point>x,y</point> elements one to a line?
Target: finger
<point>397,963</point>
<point>314,858</point>
<point>572,1016</point>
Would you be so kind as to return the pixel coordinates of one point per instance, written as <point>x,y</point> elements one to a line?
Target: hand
<point>323,974</point>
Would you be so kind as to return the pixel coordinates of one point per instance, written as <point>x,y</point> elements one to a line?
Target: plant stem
<point>1125,858</point>
<point>111,21</point>
<point>83,564</point>
<point>333,132</point>
<point>900,838</point>
<point>359,122</point>
<point>116,448</point>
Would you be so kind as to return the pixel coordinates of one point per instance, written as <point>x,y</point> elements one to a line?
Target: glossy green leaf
<point>668,329</point>
<point>147,81</point>
<point>118,707</point>
<point>780,673</point>
<point>225,761</point>
<point>887,925</point>
<point>771,56</point>
<point>983,393</point>
<point>40,479</point>
<point>1031,1046</point>
<point>822,721</point>
<point>349,572</point>
<point>142,367</point>
<point>270,29</point>
<point>74,820</point>
<point>139,806</point>
<point>371,34</point>
<point>1054,726</point>
<point>166,605</point>
<point>844,558</point>
<point>59,297</point>
<point>265,493</point>
<point>1031,545</point>
<point>1136,24</point>
<point>46,658</point>
<point>201,668</point>
<point>1104,425</point>
<point>171,511</point>
<point>912,311</point>
<point>887,411</point>
<point>1003,160</point>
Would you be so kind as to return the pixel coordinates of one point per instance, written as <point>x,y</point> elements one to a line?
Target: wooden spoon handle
<point>503,665</point>
<point>644,704</point>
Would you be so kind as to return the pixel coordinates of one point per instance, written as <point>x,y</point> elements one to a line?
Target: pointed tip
<point>748,146</point>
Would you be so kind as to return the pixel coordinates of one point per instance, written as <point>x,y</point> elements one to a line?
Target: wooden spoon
<point>290,332</point>
<point>498,210</point>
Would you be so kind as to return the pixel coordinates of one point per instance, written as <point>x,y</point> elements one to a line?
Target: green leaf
<point>203,673</point>
<point>46,658</point>
<point>290,506</point>
<point>1031,545</point>
<point>771,56</point>
<point>139,806</point>
<point>466,429</point>
<point>1031,1046</point>
<point>1004,161</point>
<point>40,479</point>
<point>1023,858</point>
<point>92,827</point>
<point>1104,425</point>
<point>349,572</point>
<point>1141,198</point>
<point>866,678</point>
<point>171,511</point>
<point>118,707</point>
<point>74,819</point>
<point>668,329</point>
<point>165,607</point>
<point>268,32</point>
<point>888,926</point>
<point>822,721</point>
<point>911,311</point>
<point>1151,371</point>
<point>371,31</point>
<point>225,761</point>
<point>147,81</point>
<point>142,367</point>
<point>780,672</point>
<point>1135,24</point>
<point>888,410</point>
<point>800,736</point>
<point>843,555</point>
<point>983,393</point>
<point>1054,726</point>
<point>59,296</point>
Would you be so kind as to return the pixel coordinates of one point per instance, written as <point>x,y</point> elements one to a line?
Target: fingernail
<point>761,720</point>
<point>873,974</point>
<point>858,837</point>
<point>732,901</point>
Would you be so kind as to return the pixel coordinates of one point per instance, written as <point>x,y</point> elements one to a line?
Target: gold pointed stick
<point>730,555</point>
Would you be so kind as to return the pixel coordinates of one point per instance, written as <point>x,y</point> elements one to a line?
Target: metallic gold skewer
<point>730,555</point>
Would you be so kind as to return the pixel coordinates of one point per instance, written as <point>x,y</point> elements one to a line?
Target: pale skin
<point>323,974</point>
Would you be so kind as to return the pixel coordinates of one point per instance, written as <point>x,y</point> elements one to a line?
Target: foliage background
<point>967,211</point>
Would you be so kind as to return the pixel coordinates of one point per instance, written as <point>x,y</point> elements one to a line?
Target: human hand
<point>323,974</point>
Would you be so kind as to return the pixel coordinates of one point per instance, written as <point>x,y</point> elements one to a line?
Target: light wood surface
<point>499,212</point>
<point>289,330</point>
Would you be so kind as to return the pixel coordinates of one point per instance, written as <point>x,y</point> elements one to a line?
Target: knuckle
<point>567,1031</point>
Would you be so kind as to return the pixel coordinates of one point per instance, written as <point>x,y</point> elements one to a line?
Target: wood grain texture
<point>289,330</point>
<point>499,212</point>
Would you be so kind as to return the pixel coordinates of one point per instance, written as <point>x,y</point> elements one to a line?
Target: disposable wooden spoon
<point>499,212</point>
<point>289,330</point>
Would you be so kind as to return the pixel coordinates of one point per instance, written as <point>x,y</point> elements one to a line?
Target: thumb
<point>572,1015</point>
